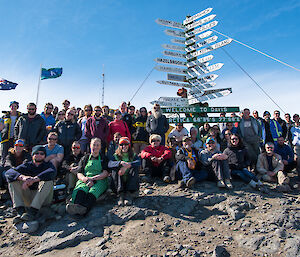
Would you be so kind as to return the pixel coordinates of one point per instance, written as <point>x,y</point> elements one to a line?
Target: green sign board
<point>198,109</point>
<point>203,119</point>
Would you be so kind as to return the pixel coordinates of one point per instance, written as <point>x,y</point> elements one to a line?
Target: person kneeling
<point>188,165</point>
<point>31,185</point>
<point>92,180</point>
<point>125,172</point>
<point>155,159</point>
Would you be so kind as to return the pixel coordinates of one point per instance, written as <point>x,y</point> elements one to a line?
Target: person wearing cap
<point>30,127</point>
<point>271,129</point>
<point>7,133</point>
<point>156,159</point>
<point>179,132</point>
<point>157,123</point>
<point>54,151</point>
<point>188,165</point>
<point>84,141</point>
<point>124,167</point>
<point>92,173</point>
<point>216,164</point>
<point>140,137</point>
<point>118,125</point>
<point>31,185</point>
<point>96,126</point>
<point>15,157</point>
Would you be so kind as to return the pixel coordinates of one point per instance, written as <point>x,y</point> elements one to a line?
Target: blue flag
<point>51,73</point>
<point>7,85</point>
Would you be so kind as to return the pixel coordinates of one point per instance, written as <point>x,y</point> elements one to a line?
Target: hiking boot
<point>263,189</point>
<point>253,184</point>
<point>20,211</point>
<point>30,215</point>
<point>74,209</point>
<point>127,200</point>
<point>228,183</point>
<point>121,200</point>
<point>285,188</point>
<point>167,179</point>
<point>181,184</point>
<point>221,184</point>
<point>190,182</point>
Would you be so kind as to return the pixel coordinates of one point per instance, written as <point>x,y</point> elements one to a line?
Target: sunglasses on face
<point>75,147</point>
<point>39,153</point>
<point>124,144</point>
<point>98,110</point>
<point>53,139</point>
<point>234,139</point>
<point>88,110</point>
<point>269,147</point>
<point>20,145</point>
<point>31,109</point>
<point>155,140</point>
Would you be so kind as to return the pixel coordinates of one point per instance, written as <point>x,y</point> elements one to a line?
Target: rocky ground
<point>167,221</point>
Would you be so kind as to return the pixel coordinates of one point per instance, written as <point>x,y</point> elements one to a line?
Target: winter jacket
<point>11,160</point>
<point>206,156</point>
<point>5,132</point>
<point>50,121</point>
<point>238,158</point>
<point>129,121</point>
<point>157,126</point>
<point>182,155</point>
<point>71,161</point>
<point>285,152</point>
<point>262,163</point>
<point>68,132</point>
<point>255,125</point>
<point>160,151</point>
<point>114,163</point>
<point>118,126</point>
<point>32,131</point>
<point>295,130</point>
<point>140,135</point>
<point>282,124</point>
<point>92,130</point>
<point>275,130</point>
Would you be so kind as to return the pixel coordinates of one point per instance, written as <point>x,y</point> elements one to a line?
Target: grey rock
<point>251,243</point>
<point>201,233</point>
<point>27,227</point>
<point>281,233</point>
<point>292,247</point>
<point>220,251</point>
<point>285,218</point>
<point>148,191</point>
<point>211,229</point>
<point>178,247</point>
<point>270,245</point>
<point>154,230</point>
<point>102,241</point>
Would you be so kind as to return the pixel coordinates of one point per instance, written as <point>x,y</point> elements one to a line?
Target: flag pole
<point>38,88</point>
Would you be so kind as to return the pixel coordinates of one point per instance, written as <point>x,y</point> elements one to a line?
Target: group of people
<point>96,149</point>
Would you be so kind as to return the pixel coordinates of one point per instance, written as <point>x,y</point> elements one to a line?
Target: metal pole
<point>103,76</point>
<point>38,88</point>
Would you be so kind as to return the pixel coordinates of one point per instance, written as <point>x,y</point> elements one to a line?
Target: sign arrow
<point>200,61</point>
<point>198,37</point>
<point>201,44</point>
<point>170,69</point>
<point>178,41</point>
<point>200,22</point>
<point>174,54</point>
<point>171,83</point>
<point>201,29</point>
<point>170,61</point>
<point>204,70</point>
<point>173,47</point>
<point>172,24</point>
<point>192,99</point>
<point>176,77</point>
<point>175,33</point>
<point>208,78</point>
<point>201,87</point>
<point>197,16</point>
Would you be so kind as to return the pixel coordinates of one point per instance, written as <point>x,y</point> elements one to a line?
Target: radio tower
<point>103,86</point>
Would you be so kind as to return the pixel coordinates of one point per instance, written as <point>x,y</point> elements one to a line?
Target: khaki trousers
<point>31,198</point>
<point>281,177</point>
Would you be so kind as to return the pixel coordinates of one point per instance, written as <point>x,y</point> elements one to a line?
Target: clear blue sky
<point>81,36</point>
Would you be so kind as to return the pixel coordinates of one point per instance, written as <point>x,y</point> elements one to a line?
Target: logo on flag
<point>51,73</point>
<point>7,85</point>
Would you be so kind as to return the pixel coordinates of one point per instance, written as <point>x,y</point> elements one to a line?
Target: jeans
<point>244,175</point>
<point>187,173</point>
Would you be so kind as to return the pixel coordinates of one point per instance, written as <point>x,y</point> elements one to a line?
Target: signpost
<point>170,61</point>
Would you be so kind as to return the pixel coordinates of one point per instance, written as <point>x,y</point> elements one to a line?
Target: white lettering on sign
<point>167,23</point>
<point>197,16</point>
<point>174,54</point>
<point>201,29</point>
<point>170,61</point>
<point>200,22</point>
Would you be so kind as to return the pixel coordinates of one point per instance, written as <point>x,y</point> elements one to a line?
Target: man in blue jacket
<point>31,185</point>
<point>286,154</point>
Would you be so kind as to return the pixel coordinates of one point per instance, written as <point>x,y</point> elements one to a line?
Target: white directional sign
<point>176,84</point>
<point>200,22</point>
<point>210,48</point>
<point>171,104</point>
<point>201,44</point>
<point>174,54</point>
<point>197,16</point>
<point>203,86</point>
<point>192,99</point>
<point>175,33</point>
<point>201,29</point>
<point>176,77</point>
<point>204,70</point>
<point>170,61</point>
<point>170,69</point>
<point>172,99</point>
<point>178,41</point>
<point>200,61</point>
<point>172,24</point>
<point>196,80</point>
<point>198,37</point>
<point>224,90</point>
<point>173,47</point>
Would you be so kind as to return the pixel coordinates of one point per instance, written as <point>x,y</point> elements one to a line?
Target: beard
<point>157,114</point>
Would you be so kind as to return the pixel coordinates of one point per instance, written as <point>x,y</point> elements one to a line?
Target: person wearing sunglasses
<point>54,151</point>
<point>179,132</point>
<point>105,115</point>
<point>84,141</point>
<point>140,137</point>
<point>156,160</point>
<point>70,164</point>
<point>60,116</point>
<point>92,173</point>
<point>30,127</point>
<point>125,172</point>
<point>270,168</point>
<point>7,133</point>
<point>68,131</point>
<point>48,117</point>
<point>31,185</point>
<point>239,161</point>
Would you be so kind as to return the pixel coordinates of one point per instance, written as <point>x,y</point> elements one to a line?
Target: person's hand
<point>90,183</point>
<point>271,173</point>
<point>85,180</point>
<point>222,157</point>
<point>73,169</point>
<point>153,158</point>
<point>122,171</point>
<point>159,160</point>
<point>216,156</point>
<point>29,182</point>
<point>285,162</point>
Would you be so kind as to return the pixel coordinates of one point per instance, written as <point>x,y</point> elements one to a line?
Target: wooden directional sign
<point>172,24</point>
<point>173,47</point>
<point>175,33</point>
<point>176,77</point>
<point>210,48</point>
<point>178,41</point>
<point>170,69</point>
<point>198,37</point>
<point>174,54</point>
<point>201,29</point>
<point>170,61</point>
<point>197,109</point>
<point>201,44</point>
<point>200,61</point>
<point>197,16</point>
<point>203,119</point>
<point>176,84</point>
<point>200,22</point>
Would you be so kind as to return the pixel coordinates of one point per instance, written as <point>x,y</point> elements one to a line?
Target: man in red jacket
<point>118,125</point>
<point>155,159</point>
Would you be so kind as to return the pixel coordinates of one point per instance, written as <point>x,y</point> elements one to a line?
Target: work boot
<point>181,184</point>
<point>167,179</point>
<point>121,200</point>
<point>30,215</point>
<point>74,209</point>
<point>228,183</point>
<point>20,211</point>
<point>253,184</point>
<point>190,182</point>
<point>127,200</point>
<point>221,184</point>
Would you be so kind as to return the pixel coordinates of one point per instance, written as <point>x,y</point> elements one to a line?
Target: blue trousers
<point>244,175</point>
<point>187,173</point>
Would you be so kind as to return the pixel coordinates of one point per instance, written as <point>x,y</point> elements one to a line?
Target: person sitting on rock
<point>113,145</point>
<point>15,157</point>
<point>179,132</point>
<point>70,164</point>
<point>92,180</point>
<point>188,165</point>
<point>155,159</point>
<point>286,153</point>
<point>125,172</point>
<point>31,184</point>
<point>54,151</point>
<point>238,161</point>
<point>270,168</point>
<point>216,164</point>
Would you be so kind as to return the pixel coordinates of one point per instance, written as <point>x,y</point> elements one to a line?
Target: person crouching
<point>125,172</point>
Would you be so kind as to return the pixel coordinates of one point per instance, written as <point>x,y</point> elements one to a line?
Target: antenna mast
<point>103,76</point>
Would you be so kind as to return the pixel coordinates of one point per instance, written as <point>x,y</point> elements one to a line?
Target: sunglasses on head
<point>75,147</point>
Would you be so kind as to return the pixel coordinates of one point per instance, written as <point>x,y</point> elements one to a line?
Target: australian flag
<point>51,73</point>
<point>7,85</point>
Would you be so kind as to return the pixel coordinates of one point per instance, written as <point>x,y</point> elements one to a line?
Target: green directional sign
<point>197,109</point>
<point>203,119</point>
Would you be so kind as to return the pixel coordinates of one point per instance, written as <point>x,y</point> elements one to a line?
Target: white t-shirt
<point>13,122</point>
<point>178,134</point>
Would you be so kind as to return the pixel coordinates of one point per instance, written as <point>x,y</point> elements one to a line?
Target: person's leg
<point>283,179</point>
<point>200,175</point>
<point>43,193</point>
<point>99,187</point>
<point>116,182</point>
<point>136,148</point>
<point>71,180</point>
<point>4,151</point>
<point>165,168</point>
<point>184,171</point>
<point>132,184</point>
<point>16,193</point>
<point>80,186</point>
<point>290,166</point>
<point>225,171</point>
